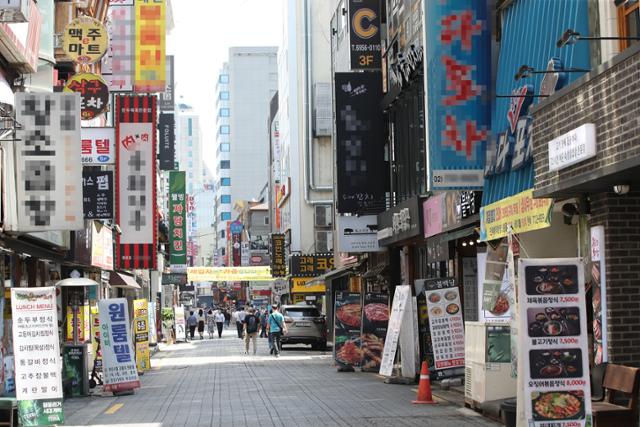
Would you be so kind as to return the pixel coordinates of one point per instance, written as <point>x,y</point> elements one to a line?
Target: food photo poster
<point>375,320</point>
<point>348,323</point>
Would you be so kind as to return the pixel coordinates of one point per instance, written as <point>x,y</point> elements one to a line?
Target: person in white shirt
<point>240,322</point>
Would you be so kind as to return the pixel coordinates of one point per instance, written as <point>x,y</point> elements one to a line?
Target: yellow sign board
<point>150,64</point>
<point>522,212</point>
<point>303,285</point>
<point>85,40</point>
<point>229,274</point>
<point>141,333</point>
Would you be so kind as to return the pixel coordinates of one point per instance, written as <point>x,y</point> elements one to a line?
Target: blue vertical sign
<point>457,79</point>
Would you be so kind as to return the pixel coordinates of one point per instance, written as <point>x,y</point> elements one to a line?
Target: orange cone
<point>424,387</point>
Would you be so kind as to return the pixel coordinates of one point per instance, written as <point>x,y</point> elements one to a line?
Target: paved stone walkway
<point>212,383</point>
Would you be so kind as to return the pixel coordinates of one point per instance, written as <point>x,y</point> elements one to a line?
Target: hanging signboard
<point>311,265</point>
<point>37,356</point>
<point>180,323</point>
<point>347,324</point>
<point>554,342</point>
<point>101,246</point>
<point>167,98</point>
<point>118,353</point>
<point>457,60</point>
<point>49,192</point>
<point>375,318</point>
<point>401,303</point>
<point>136,181</point>
<point>85,40</point>
<point>358,234</point>
<point>278,256</point>
<point>599,295</point>
<point>446,323</point>
<point>97,194</point>
<point>118,64</point>
<point>167,132</point>
<point>98,146</point>
<point>229,274</point>
<point>94,94</point>
<point>177,222</point>
<point>141,334</point>
<point>364,34</point>
<point>150,32</point>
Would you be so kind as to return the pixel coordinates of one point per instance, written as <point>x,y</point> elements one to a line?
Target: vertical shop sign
<point>141,334</point>
<point>118,354</point>
<point>375,319</point>
<point>101,246</point>
<point>599,295</point>
<point>98,146</point>
<point>150,64</point>
<point>136,181</point>
<point>178,221</point>
<point>167,98</point>
<point>119,62</point>
<point>153,333</point>
<point>48,164</point>
<point>236,238</point>
<point>359,143</point>
<point>401,303</point>
<point>554,342</point>
<point>97,194</point>
<point>364,34</point>
<point>347,324</point>
<point>37,356</point>
<point>457,61</point>
<point>278,257</point>
<point>167,131</point>
<point>445,322</point>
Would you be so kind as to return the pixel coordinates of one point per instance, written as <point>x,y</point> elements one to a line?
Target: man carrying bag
<point>276,328</point>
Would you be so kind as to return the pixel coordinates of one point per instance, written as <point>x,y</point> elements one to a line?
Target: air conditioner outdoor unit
<point>14,11</point>
<point>323,216</point>
<point>324,241</point>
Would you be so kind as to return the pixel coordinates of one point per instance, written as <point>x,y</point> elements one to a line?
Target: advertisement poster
<point>495,305</point>
<point>401,303</point>
<point>446,323</point>
<point>101,246</point>
<point>97,194</point>
<point>599,295</point>
<point>83,323</point>
<point>98,146</point>
<point>73,360</point>
<point>96,348</point>
<point>150,58</point>
<point>119,62</point>
<point>136,182</point>
<point>141,334</point>
<point>180,323</point>
<point>375,321</point>
<point>348,318</point>
<point>177,221</point>
<point>554,342</point>
<point>37,356</point>
<point>118,354</point>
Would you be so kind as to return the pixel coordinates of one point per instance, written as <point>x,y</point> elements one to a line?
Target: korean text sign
<point>445,322</point>
<point>364,35</point>
<point>141,331</point>
<point>310,265</point>
<point>118,64</point>
<point>178,219</point>
<point>150,25</point>
<point>278,256</point>
<point>554,343</point>
<point>97,190</point>
<point>98,146</point>
<point>94,94</point>
<point>118,353</point>
<point>136,181</point>
<point>457,61</point>
<point>48,163</point>
<point>85,40</point>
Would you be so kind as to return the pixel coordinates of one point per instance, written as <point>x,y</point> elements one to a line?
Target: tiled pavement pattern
<point>212,383</point>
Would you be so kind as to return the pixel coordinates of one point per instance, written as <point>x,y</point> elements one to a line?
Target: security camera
<point>621,189</point>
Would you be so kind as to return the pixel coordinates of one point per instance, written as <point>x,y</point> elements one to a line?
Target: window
<point>190,124</point>
<point>190,143</point>
<point>629,22</point>
<point>225,148</point>
<point>266,220</point>
<point>225,182</point>
<point>225,164</point>
<point>224,78</point>
<point>225,129</point>
<point>222,234</point>
<point>226,198</point>
<point>222,251</point>
<point>225,112</point>
<point>225,216</point>
<point>224,96</point>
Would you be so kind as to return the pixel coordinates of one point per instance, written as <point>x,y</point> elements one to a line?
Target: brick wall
<point>620,216</point>
<point>610,98</point>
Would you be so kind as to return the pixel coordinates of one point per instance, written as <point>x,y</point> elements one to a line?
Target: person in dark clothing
<point>227,318</point>
<point>201,322</point>
<point>192,323</point>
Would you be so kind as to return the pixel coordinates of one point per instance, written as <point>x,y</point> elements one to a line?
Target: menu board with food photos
<point>375,319</point>
<point>554,343</point>
<point>347,323</point>
<point>446,323</point>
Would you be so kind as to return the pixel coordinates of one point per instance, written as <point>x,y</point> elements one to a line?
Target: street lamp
<point>571,37</point>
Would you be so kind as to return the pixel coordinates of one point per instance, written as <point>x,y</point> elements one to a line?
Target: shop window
<point>226,198</point>
<point>225,216</point>
<point>225,182</point>
<point>224,78</point>
<point>629,22</point>
<point>224,96</point>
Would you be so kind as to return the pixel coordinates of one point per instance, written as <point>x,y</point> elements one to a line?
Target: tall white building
<point>246,84</point>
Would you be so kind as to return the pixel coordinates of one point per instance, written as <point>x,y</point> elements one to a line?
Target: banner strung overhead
<point>151,68</point>
<point>178,222</point>
<point>136,181</point>
<point>48,162</point>
<point>229,274</point>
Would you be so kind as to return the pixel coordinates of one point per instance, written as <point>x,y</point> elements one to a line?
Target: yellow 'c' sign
<point>362,23</point>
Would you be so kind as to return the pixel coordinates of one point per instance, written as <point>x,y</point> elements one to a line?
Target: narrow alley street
<point>212,383</point>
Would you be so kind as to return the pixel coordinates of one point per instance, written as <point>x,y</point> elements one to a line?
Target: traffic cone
<point>424,387</point>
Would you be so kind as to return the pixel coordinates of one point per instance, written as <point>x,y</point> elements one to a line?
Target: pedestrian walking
<point>251,326</point>
<point>263,323</point>
<point>211,323</point>
<point>276,328</point>
<point>219,323</point>
<point>240,322</point>
<point>201,322</point>
<point>227,318</point>
<point>192,324</point>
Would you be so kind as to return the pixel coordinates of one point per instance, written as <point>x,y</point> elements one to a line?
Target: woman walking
<point>201,323</point>
<point>211,323</point>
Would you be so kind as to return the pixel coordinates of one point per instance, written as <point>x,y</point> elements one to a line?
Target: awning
<point>119,280</point>
<point>338,272</point>
<point>376,271</point>
<point>77,282</point>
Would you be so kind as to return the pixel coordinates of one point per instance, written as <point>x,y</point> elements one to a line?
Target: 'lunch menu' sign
<point>554,342</point>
